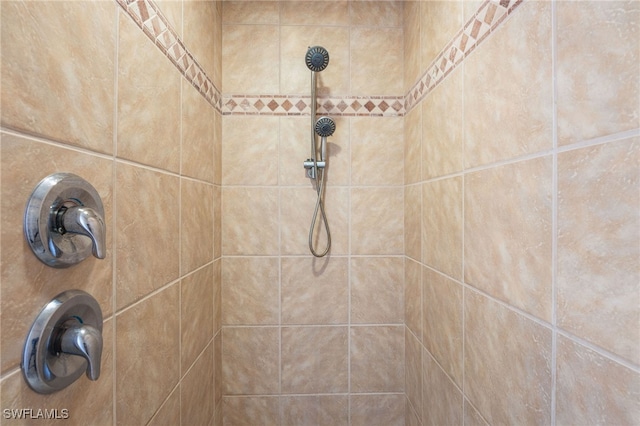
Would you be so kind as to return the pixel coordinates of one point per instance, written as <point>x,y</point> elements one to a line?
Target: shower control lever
<point>85,221</point>
<point>64,342</point>
<point>63,221</point>
<point>84,341</point>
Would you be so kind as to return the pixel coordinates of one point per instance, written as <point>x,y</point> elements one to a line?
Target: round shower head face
<point>317,58</point>
<point>325,127</point>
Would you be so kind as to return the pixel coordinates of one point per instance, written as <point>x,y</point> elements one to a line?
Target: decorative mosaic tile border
<point>376,106</point>
<point>488,17</point>
<point>153,23</point>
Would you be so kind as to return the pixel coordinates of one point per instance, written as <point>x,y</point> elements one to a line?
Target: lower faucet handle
<point>85,341</point>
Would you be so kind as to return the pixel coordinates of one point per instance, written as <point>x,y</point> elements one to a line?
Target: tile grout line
<point>114,181</point>
<point>554,214</point>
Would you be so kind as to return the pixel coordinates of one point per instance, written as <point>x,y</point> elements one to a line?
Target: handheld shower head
<point>325,127</point>
<point>317,58</point>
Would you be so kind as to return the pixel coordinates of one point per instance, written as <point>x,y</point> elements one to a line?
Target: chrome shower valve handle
<point>86,221</point>
<point>63,221</point>
<point>64,342</point>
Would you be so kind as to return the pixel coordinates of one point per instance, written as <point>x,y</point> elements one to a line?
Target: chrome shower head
<point>325,127</point>
<point>317,58</point>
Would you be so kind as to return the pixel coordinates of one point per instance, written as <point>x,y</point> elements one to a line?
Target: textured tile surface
<point>597,94</point>
<point>591,386</point>
<point>507,363</point>
<point>508,234</point>
<point>598,250</point>
<point>314,360</point>
<point>73,103</point>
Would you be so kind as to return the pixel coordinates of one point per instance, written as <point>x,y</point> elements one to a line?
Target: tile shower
<point>482,196</point>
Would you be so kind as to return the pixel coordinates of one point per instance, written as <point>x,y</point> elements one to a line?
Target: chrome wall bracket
<point>63,221</point>
<point>309,166</point>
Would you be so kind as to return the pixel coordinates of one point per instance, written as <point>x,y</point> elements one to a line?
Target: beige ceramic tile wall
<point>85,91</point>
<point>522,297</point>
<point>563,325</point>
<point>308,338</point>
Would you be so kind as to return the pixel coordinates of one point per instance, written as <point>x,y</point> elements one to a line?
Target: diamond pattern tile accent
<point>153,23</point>
<point>289,105</point>
<point>489,15</point>
<point>327,105</point>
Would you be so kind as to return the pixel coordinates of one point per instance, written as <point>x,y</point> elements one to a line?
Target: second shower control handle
<point>83,340</point>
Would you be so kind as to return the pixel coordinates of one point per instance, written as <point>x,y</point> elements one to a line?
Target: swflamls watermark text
<point>35,413</point>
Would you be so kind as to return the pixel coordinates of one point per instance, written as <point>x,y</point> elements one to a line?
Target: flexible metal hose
<point>319,178</point>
